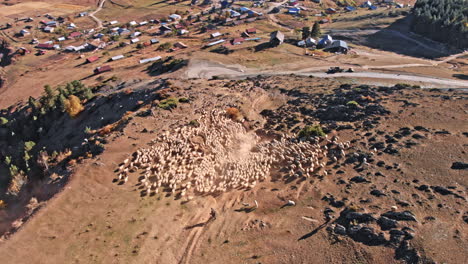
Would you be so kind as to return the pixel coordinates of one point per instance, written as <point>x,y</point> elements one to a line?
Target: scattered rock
<point>459,166</point>
<point>400,216</point>
<point>377,193</point>
<point>386,223</point>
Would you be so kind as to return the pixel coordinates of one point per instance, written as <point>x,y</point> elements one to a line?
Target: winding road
<point>93,14</point>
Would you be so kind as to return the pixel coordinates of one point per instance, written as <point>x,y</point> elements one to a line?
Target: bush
<point>194,123</point>
<point>352,103</point>
<point>164,46</point>
<point>3,121</point>
<point>168,103</point>
<point>73,106</point>
<point>29,145</point>
<point>234,113</point>
<point>312,131</point>
<point>184,100</point>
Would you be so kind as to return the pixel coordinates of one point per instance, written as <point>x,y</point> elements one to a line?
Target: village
<point>223,27</point>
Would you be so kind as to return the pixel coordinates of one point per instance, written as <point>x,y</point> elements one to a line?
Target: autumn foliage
<point>234,113</point>
<point>73,106</point>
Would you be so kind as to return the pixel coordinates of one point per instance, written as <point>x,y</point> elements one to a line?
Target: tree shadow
<point>461,76</point>
<point>315,231</point>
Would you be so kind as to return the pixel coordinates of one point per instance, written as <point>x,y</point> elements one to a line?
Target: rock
<point>359,217</point>
<point>377,193</point>
<point>459,166</point>
<point>406,253</point>
<point>400,216</point>
<point>423,187</point>
<point>290,203</point>
<point>358,179</point>
<point>418,136</point>
<point>421,128</point>
<point>441,190</point>
<point>366,235</point>
<point>386,223</point>
<point>340,230</point>
<point>403,203</point>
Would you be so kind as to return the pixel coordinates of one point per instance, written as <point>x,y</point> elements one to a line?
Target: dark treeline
<point>442,20</point>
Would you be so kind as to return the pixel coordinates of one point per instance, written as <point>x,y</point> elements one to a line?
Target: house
<point>225,4</point>
<point>143,23</point>
<point>82,14</point>
<point>251,31</point>
<point>276,38</point>
<point>180,45</point>
<point>350,8</point>
<point>214,43</point>
<point>118,57</point>
<point>337,46</point>
<point>367,4</point>
<point>75,34</point>
<point>244,9</point>
<point>237,41</point>
<point>113,22</point>
<point>372,7</point>
<point>98,36</point>
<point>49,29</point>
<point>150,59</point>
<point>330,10</point>
<point>71,26</point>
<point>61,39</point>
<point>182,32</point>
<point>24,32</point>
<point>135,34</point>
<point>132,23</point>
<point>45,46</point>
<point>308,42</point>
<point>92,59</point>
<point>234,13</point>
<point>215,35</point>
<point>293,11</point>
<point>51,23</point>
<point>96,44</point>
<point>325,41</point>
<point>154,41</point>
<point>123,31</point>
<point>102,69</point>
<point>164,29</point>
<point>175,17</point>
<point>135,40</point>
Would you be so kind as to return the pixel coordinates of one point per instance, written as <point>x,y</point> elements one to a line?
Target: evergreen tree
<point>316,32</point>
<point>305,32</point>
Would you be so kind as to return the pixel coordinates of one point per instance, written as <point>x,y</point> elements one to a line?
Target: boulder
<point>400,216</point>
<point>386,223</point>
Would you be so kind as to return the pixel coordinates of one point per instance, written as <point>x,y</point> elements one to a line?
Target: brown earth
<point>94,220</point>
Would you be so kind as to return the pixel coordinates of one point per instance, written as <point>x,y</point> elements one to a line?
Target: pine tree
<point>305,32</point>
<point>316,32</point>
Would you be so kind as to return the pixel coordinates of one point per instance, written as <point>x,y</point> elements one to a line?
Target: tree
<point>316,32</point>
<point>305,32</point>
<point>73,106</point>
<point>49,98</point>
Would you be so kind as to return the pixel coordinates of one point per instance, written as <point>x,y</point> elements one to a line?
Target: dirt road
<point>93,14</point>
<point>205,69</point>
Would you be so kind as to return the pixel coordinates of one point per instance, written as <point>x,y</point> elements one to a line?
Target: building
<point>276,38</point>
<point>132,23</point>
<point>180,45</point>
<point>214,43</point>
<point>215,35</point>
<point>113,22</point>
<point>251,31</point>
<point>75,34</point>
<point>325,41</point>
<point>92,59</point>
<point>49,29</point>
<point>154,41</point>
<point>135,40</point>
<point>102,69</point>
<point>118,57</point>
<point>308,42</point>
<point>175,17</point>
<point>330,11</point>
<point>237,41</point>
<point>24,32</point>
<point>293,11</point>
<point>45,46</point>
<point>150,59</point>
<point>337,46</point>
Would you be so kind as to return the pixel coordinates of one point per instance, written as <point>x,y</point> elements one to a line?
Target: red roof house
<point>92,59</point>
<point>251,31</point>
<point>74,34</point>
<point>102,69</point>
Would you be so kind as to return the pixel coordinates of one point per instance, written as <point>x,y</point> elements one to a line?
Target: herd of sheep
<point>219,154</point>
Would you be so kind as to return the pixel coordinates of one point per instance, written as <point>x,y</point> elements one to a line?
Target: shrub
<point>73,106</point>
<point>3,121</point>
<point>184,100</point>
<point>352,103</point>
<point>164,46</point>
<point>312,131</point>
<point>194,123</point>
<point>168,103</point>
<point>29,145</point>
<point>234,113</point>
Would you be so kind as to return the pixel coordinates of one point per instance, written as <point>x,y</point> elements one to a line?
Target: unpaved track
<point>205,69</point>
<point>93,14</point>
